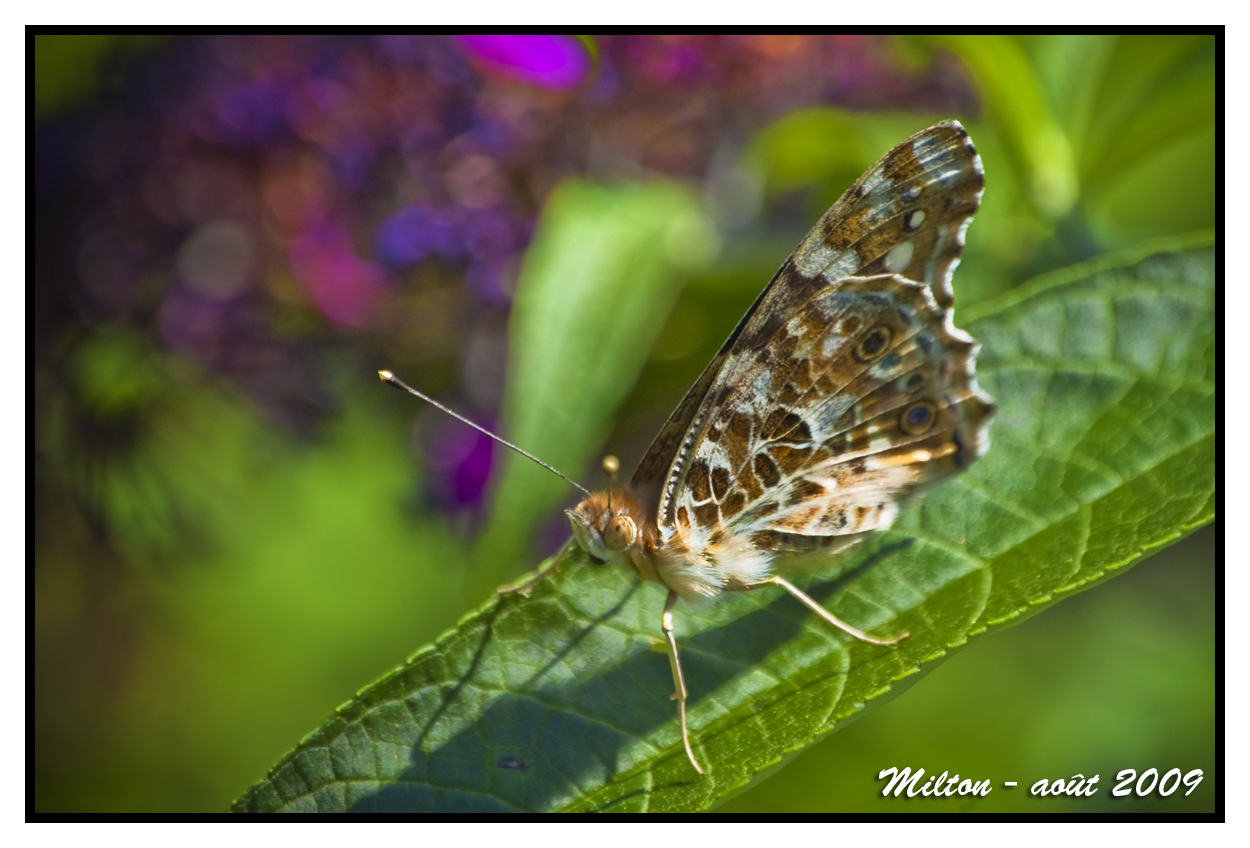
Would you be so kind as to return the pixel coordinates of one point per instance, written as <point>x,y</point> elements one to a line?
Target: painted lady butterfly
<point>845,390</point>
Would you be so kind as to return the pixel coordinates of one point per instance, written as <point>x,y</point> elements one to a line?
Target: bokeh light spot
<point>216,259</point>
<point>343,286</point>
<point>554,61</point>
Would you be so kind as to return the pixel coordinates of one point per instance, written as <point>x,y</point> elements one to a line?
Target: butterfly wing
<point>877,400</point>
<point>796,433</point>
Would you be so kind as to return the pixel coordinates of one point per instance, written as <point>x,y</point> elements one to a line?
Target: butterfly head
<point>607,524</point>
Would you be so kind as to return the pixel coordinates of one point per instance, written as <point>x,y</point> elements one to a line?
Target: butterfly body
<point>614,528</point>
<point>844,391</point>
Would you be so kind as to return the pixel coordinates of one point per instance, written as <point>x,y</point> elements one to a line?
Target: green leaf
<point>1103,450</point>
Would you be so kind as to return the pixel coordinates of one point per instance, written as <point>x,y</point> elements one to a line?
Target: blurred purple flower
<point>251,112</point>
<point>415,232</point>
<point>607,82</point>
<point>343,286</point>
<point>493,231</point>
<point>553,61</point>
<point>491,278</point>
<point>680,62</point>
<point>225,164</point>
<point>460,462</point>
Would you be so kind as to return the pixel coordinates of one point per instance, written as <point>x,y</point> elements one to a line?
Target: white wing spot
<point>812,261</point>
<point>899,257</point>
<point>845,265</point>
<point>916,219</point>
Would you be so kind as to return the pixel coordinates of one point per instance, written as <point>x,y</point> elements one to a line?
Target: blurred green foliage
<point>312,573</point>
<point>71,69</point>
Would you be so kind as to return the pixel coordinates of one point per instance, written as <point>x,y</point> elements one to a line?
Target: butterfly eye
<point>917,418</point>
<point>873,344</point>
<point>620,533</point>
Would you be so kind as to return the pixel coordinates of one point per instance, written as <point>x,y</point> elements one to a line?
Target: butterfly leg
<point>810,602</point>
<point>524,588</point>
<point>538,577</point>
<point>666,624</point>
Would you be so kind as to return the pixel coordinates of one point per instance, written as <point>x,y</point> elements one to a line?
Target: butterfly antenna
<point>611,465</point>
<point>391,380</point>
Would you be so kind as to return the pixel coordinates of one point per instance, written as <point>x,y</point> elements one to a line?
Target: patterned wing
<point>816,385</point>
<point>866,395</point>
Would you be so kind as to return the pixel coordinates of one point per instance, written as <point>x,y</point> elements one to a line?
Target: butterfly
<point>844,391</point>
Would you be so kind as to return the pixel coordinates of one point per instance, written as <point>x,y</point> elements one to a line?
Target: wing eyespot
<point>874,343</point>
<point>917,418</point>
